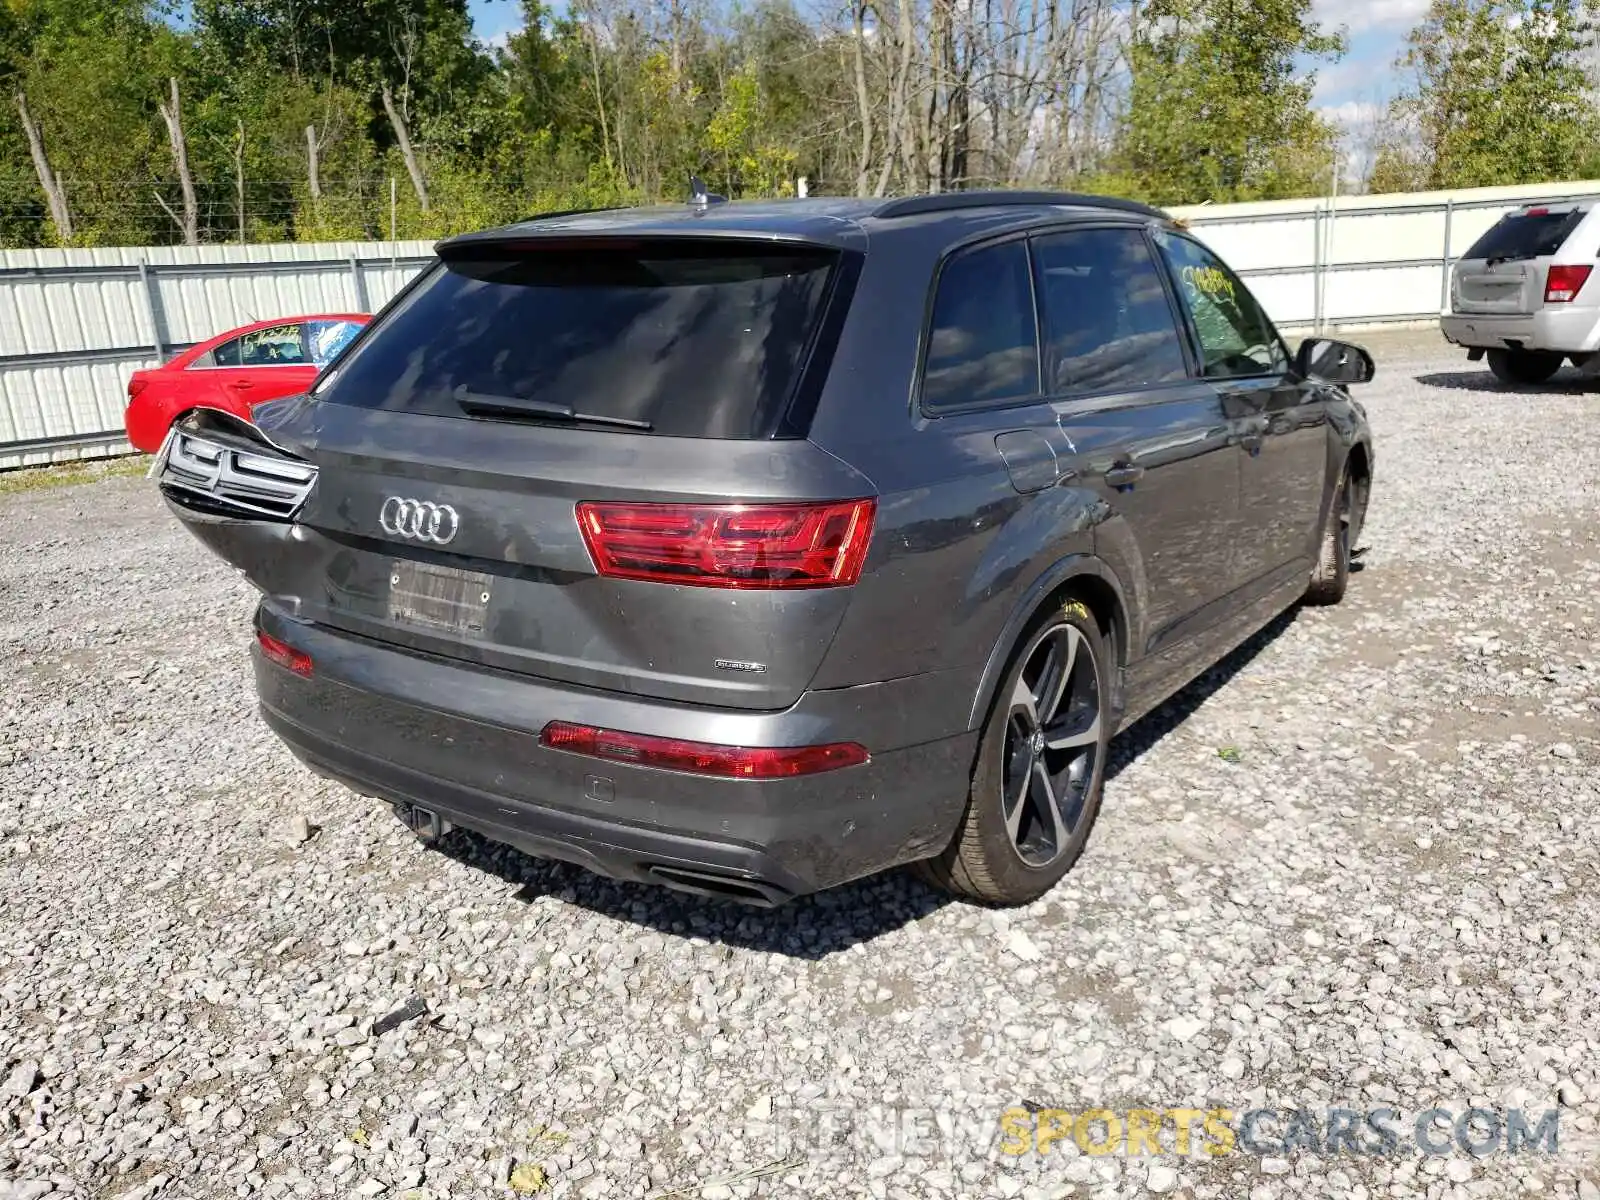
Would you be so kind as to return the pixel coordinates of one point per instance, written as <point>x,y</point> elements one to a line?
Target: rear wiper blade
<point>1494,262</point>
<point>536,410</point>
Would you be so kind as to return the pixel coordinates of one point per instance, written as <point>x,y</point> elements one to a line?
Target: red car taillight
<point>702,758</point>
<point>136,385</point>
<point>730,545</point>
<point>1563,283</point>
<point>285,655</point>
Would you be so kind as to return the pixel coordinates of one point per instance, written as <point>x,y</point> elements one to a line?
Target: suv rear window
<point>1525,235</point>
<point>699,339</point>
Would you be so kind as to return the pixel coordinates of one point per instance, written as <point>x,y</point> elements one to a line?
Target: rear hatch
<point>581,462</point>
<point>1504,271</point>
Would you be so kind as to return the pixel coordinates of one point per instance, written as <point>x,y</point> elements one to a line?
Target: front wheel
<point>1332,573</point>
<point>1041,764</point>
<point>1524,366</point>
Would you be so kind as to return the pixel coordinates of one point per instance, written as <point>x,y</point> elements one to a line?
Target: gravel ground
<point>1353,866</point>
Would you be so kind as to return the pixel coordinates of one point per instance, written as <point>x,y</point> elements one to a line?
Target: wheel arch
<point>1084,577</point>
<point>1359,463</point>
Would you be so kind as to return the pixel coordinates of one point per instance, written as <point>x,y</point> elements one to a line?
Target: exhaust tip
<point>712,885</point>
<point>429,826</point>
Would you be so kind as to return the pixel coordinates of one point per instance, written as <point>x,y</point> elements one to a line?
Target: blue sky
<point>1350,90</point>
<point>495,18</point>
<point>1366,77</point>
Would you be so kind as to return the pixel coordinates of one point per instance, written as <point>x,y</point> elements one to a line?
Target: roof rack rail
<point>992,197</point>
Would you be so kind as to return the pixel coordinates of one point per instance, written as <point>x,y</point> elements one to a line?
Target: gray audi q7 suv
<point>750,548</point>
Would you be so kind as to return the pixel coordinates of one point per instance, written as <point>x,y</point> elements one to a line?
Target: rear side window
<point>1108,323</point>
<point>695,339</point>
<point>279,346</point>
<point>983,343</point>
<point>1526,235</point>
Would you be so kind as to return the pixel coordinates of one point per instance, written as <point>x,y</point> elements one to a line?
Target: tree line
<point>132,122</point>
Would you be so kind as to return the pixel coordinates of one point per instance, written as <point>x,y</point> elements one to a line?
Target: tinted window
<point>1236,338</point>
<point>983,342</point>
<point>1108,324</point>
<point>1531,235</point>
<point>698,339</point>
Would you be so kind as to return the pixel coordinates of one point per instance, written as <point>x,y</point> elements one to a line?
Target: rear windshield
<point>1520,235</point>
<point>694,340</point>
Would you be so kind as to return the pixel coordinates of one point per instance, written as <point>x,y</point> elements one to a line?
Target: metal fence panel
<point>75,323</point>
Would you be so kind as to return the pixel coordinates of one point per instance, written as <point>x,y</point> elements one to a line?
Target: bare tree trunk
<point>238,182</point>
<point>173,116</point>
<point>599,96</point>
<point>313,169</point>
<point>901,127</point>
<point>863,100</point>
<point>403,136</point>
<point>930,142</point>
<point>905,103</point>
<point>959,108</point>
<point>675,35</point>
<point>55,195</point>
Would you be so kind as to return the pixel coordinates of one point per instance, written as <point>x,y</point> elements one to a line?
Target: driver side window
<point>1236,337</point>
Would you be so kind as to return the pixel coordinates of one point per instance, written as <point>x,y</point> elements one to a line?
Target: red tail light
<point>702,758</point>
<point>136,385</point>
<point>285,655</point>
<point>730,545</point>
<point>1564,283</point>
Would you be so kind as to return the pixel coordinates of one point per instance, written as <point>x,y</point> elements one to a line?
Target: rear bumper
<point>1565,330</point>
<point>463,742</point>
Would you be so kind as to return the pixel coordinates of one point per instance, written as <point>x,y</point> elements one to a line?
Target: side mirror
<point>1334,362</point>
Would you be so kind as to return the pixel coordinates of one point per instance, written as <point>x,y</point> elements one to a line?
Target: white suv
<point>1522,294</point>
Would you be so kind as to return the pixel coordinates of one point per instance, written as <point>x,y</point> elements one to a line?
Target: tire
<point>1524,366</point>
<point>996,861</point>
<point>1332,573</point>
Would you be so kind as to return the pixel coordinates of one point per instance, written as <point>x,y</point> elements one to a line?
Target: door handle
<point>242,384</point>
<point>1124,475</point>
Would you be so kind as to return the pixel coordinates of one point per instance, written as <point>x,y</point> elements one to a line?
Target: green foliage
<point>1219,106</point>
<point>573,112</point>
<point>1497,95</point>
<point>616,102</point>
<point>736,139</point>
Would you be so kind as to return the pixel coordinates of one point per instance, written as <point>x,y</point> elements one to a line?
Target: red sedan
<point>235,371</point>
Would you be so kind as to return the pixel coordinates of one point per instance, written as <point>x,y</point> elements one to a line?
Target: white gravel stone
<point>24,1077</point>
<point>1160,1180</point>
<point>1184,1028</point>
<point>1021,945</point>
<point>180,991</point>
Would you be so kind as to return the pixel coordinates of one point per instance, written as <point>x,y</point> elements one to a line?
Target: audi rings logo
<point>419,520</point>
